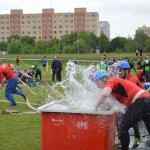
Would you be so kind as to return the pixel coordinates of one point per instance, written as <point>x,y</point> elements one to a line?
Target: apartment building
<point>48,24</point>
<point>105,28</point>
<point>145,29</point>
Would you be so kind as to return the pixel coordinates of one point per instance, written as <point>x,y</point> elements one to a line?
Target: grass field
<point>76,56</point>
<point>22,132</point>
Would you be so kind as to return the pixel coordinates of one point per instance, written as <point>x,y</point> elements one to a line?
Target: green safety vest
<point>103,66</point>
<point>147,66</point>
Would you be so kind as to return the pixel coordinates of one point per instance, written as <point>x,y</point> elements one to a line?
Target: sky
<point>124,16</point>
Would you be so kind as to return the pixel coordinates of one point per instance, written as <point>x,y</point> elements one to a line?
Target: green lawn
<point>22,132</point>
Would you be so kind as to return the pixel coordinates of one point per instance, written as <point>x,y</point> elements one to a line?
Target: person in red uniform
<point>136,99</point>
<point>125,74</point>
<point>8,76</point>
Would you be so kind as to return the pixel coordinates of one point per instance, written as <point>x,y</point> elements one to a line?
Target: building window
<point>93,26</point>
<point>33,16</point>
<point>34,21</point>
<point>34,27</point>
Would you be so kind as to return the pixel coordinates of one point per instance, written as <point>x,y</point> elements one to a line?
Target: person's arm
<point>106,92</point>
<point>2,82</point>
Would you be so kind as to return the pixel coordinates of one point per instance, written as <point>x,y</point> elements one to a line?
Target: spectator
<point>17,60</point>
<point>37,71</point>
<point>140,49</point>
<point>44,63</point>
<point>56,68</point>
<point>136,51</point>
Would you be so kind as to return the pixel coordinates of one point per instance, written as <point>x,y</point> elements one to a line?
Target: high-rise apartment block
<point>48,24</point>
<point>105,28</point>
<point>145,29</point>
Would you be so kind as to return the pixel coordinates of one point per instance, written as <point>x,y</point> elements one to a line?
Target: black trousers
<point>135,126</point>
<point>57,73</point>
<point>147,76</point>
<point>38,73</point>
<point>139,110</point>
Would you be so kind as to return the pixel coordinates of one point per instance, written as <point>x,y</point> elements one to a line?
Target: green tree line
<point>74,43</point>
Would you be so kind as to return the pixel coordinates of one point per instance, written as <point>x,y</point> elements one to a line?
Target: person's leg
<point>137,139</point>
<point>53,75</point>
<point>17,91</point>
<point>40,75</point>
<point>136,131</point>
<point>131,117</point>
<point>8,92</point>
<point>146,116</point>
<point>59,75</point>
<point>36,75</point>
<point>148,76</point>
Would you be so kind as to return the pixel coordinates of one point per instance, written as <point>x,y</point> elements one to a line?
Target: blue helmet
<point>123,64</point>
<point>99,74</point>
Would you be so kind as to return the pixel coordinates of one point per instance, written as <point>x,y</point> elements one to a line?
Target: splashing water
<point>81,93</point>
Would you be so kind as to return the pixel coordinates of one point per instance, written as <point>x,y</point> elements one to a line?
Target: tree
<point>104,43</point>
<point>28,40</point>
<point>3,46</point>
<point>147,45</point>
<point>16,37</point>
<point>40,47</point>
<point>14,46</point>
<point>118,43</point>
<point>130,45</point>
<point>140,38</point>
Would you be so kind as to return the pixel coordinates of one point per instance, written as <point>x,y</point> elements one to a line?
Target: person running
<point>136,99</point>
<point>9,77</point>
